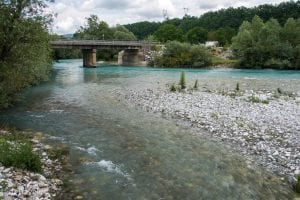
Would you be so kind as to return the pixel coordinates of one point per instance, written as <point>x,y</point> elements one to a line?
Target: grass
<point>254,99</point>
<point>222,61</point>
<point>16,151</point>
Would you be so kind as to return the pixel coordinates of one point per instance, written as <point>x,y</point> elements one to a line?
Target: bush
<point>195,87</point>
<point>182,82</point>
<point>178,54</point>
<point>17,152</point>
<point>173,88</point>
<point>237,87</point>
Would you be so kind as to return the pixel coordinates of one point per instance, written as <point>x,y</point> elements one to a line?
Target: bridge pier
<point>131,57</point>
<point>89,57</point>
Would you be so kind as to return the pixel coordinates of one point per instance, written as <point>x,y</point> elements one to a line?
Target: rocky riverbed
<point>263,126</point>
<point>22,184</point>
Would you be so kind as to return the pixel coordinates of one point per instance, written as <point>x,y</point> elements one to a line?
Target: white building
<point>211,44</point>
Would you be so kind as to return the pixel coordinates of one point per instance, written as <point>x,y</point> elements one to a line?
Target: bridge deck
<point>99,44</point>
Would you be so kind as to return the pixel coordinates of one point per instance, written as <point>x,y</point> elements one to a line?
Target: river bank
<point>18,183</point>
<point>263,126</point>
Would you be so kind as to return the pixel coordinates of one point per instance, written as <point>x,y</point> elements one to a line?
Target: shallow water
<point>120,152</point>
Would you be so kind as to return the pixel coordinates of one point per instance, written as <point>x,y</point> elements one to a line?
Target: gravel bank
<point>21,184</point>
<point>263,126</point>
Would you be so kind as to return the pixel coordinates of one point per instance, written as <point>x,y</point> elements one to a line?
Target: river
<point>130,154</point>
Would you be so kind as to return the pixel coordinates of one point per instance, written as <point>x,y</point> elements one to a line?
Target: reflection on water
<point>90,75</point>
<point>118,152</point>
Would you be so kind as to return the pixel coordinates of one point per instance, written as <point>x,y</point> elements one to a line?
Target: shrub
<point>18,153</point>
<point>254,99</point>
<point>178,54</point>
<point>195,87</point>
<point>237,87</point>
<point>182,82</point>
<point>173,88</point>
<point>279,90</point>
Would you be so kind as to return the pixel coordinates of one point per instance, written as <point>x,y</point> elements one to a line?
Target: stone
<point>265,131</point>
<point>78,197</point>
<point>42,178</point>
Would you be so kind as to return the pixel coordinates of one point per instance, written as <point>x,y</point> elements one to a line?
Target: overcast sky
<point>71,14</point>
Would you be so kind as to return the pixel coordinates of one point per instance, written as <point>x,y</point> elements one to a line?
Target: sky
<point>71,14</point>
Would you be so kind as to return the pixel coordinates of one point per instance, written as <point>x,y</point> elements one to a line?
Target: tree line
<point>220,25</point>
<point>260,44</point>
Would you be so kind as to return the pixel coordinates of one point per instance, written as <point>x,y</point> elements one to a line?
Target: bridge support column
<point>130,57</point>
<point>89,57</point>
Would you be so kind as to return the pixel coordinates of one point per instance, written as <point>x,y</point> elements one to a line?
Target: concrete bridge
<point>132,52</point>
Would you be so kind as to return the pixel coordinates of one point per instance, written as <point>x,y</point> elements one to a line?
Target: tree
<point>268,45</point>
<point>99,30</point>
<point>122,33</point>
<point>169,32</point>
<point>223,35</point>
<point>197,35</point>
<point>24,46</point>
<point>143,29</point>
<point>94,29</point>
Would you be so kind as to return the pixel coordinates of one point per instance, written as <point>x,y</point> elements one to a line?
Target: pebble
<point>268,133</point>
<point>18,184</point>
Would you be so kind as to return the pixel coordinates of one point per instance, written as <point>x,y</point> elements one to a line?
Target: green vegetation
<point>16,151</point>
<point>268,45</point>
<point>229,19</point>
<point>197,35</point>
<point>182,82</point>
<point>297,186</point>
<point>173,88</point>
<point>95,29</point>
<point>254,99</point>
<point>169,32</point>
<point>184,55</point>
<point>196,86</point>
<point>215,60</point>
<point>222,35</point>
<point>237,87</point>
<point>25,55</point>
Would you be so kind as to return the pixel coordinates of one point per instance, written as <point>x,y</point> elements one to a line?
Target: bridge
<point>133,51</point>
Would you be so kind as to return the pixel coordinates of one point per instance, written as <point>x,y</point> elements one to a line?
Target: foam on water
<point>37,116</point>
<point>56,111</point>
<point>90,150</point>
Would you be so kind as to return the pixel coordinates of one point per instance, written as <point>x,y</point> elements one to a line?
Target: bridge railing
<point>104,42</point>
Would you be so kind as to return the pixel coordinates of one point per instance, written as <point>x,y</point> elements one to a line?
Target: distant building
<point>211,44</point>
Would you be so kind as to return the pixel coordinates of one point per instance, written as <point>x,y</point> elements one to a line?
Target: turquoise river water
<point>132,154</point>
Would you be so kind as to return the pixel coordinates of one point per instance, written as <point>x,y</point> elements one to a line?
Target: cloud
<point>114,4</point>
<point>71,14</point>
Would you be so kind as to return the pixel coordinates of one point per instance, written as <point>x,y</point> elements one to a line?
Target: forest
<point>221,23</point>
